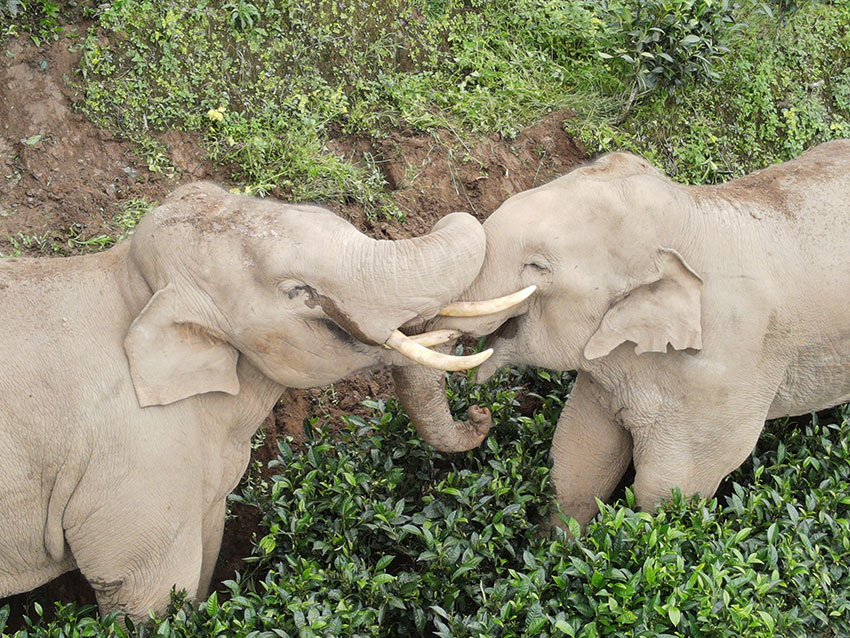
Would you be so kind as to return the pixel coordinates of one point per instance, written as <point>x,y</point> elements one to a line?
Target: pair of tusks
<point>417,347</point>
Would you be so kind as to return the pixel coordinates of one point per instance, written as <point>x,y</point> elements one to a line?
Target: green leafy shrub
<point>667,42</point>
<point>377,530</point>
<point>375,534</point>
<point>781,89</point>
<point>372,533</point>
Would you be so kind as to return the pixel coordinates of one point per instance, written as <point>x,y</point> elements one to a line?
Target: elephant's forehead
<point>210,210</point>
<point>294,220</point>
<point>547,215</point>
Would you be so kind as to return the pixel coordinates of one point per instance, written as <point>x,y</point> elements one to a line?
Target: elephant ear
<point>173,358</point>
<point>664,309</point>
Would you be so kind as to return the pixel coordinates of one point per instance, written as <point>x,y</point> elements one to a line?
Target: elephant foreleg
<point>212,533</point>
<point>693,454</point>
<point>134,562</point>
<point>590,452</point>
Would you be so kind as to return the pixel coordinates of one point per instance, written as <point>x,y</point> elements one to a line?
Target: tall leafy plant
<point>665,43</point>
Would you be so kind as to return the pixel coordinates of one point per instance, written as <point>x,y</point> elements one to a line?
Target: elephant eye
<point>292,289</point>
<point>537,263</point>
<point>537,266</point>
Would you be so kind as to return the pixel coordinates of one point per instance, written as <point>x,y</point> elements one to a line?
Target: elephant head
<point>587,246</point>
<point>295,289</point>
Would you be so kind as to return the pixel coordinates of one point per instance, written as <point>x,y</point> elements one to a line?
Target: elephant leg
<point>590,452</point>
<point>134,563</point>
<point>693,455</point>
<point>213,530</point>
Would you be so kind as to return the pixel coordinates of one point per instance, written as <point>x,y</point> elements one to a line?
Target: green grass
<point>72,240</point>
<point>707,88</point>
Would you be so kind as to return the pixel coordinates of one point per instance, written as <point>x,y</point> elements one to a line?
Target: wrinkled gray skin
<point>692,314</point>
<point>132,380</point>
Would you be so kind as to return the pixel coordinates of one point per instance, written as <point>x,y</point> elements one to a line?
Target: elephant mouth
<point>417,347</point>
<point>497,341</point>
<point>506,331</point>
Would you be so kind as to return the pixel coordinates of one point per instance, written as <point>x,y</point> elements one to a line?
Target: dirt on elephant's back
<point>62,180</point>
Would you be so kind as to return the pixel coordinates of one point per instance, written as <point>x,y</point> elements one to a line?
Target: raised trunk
<point>413,278</point>
<point>422,392</point>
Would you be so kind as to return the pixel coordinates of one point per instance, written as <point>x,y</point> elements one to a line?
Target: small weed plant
<point>37,18</point>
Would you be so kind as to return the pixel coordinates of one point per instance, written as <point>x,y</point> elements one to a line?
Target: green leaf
<point>772,532</point>
<point>536,625</point>
<point>597,579</point>
<point>574,527</point>
<point>383,562</point>
<point>767,619</point>
<point>742,535</point>
<point>382,579</point>
<point>212,604</point>
<point>267,543</point>
<point>675,615</point>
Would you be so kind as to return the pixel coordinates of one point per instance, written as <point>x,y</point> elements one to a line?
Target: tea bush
<point>668,42</point>
<point>372,533</point>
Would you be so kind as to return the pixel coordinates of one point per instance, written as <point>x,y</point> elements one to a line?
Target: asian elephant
<point>132,380</point>
<point>691,313</point>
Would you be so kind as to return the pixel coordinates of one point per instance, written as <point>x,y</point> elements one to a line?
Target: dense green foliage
<point>372,533</point>
<point>708,88</point>
<point>782,89</point>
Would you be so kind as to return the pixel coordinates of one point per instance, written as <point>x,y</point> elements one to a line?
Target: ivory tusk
<point>420,354</point>
<point>435,337</point>
<point>488,307</point>
<point>432,338</point>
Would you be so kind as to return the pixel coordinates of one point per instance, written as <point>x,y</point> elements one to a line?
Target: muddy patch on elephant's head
<point>337,315</point>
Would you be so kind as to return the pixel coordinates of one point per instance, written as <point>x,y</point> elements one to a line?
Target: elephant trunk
<point>422,392</point>
<point>439,265</point>
<point>411,279</point>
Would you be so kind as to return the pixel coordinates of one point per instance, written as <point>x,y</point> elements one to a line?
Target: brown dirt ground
<point>76,176</point>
